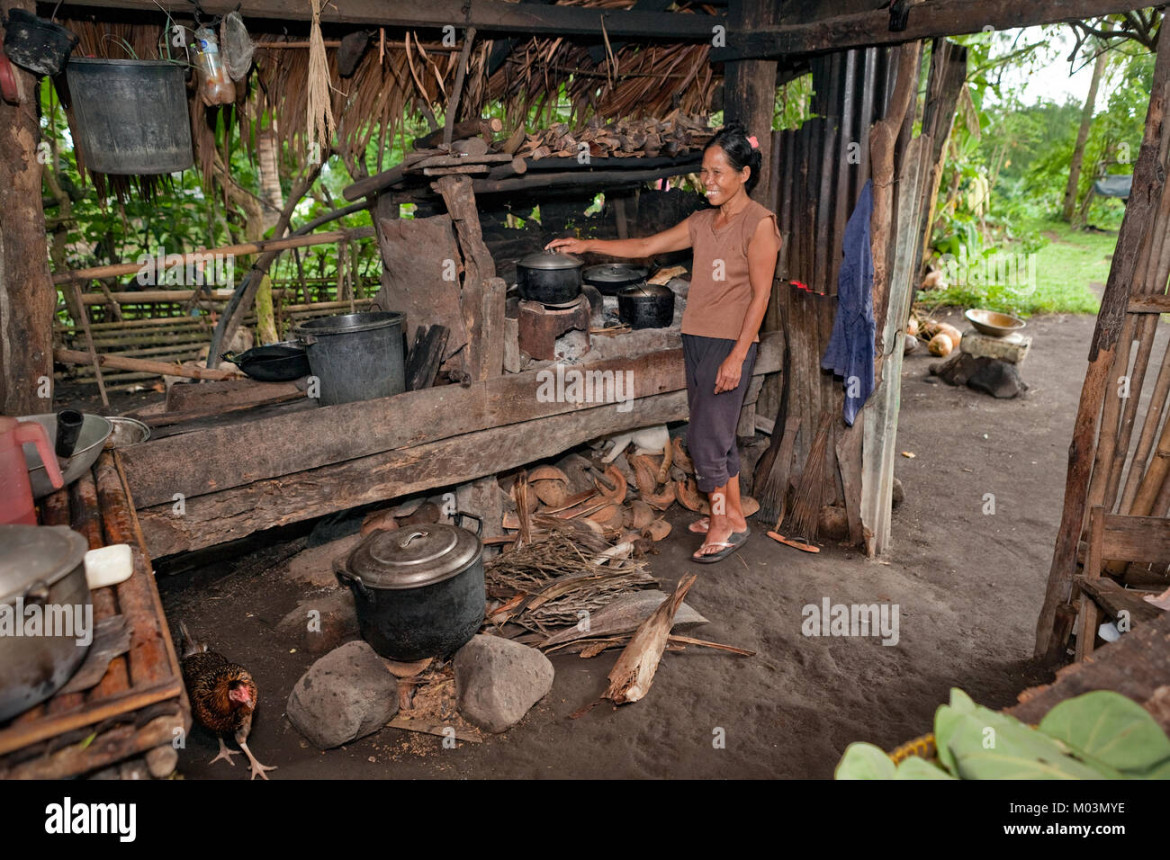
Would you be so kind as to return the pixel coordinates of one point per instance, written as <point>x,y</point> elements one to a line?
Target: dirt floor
<point>968,586</point>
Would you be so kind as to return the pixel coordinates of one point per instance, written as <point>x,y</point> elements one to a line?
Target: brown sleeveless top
<point>720,291</point>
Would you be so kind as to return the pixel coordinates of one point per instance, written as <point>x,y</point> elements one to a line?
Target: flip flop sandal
<point>705,522</point>
<point>736,540</point>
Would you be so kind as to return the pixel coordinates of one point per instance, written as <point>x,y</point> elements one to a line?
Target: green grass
<point>1065,267</point>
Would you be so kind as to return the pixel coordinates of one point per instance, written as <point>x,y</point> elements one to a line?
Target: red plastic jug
<point>16,498</point>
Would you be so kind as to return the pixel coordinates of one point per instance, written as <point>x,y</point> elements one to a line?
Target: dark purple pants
<point>711,432</point>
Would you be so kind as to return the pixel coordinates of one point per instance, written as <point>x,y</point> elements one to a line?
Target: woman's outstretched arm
<point>676,238</point>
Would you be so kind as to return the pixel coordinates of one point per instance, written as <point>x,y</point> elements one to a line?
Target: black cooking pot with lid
<point>609,278</point>
<point>419,590</point>
<point>646,306</point>
<point>42,575</point>
<point>549,278</point>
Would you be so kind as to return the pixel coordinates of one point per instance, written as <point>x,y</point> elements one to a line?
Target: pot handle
<point>351,580</point>
<point>306,339</point>
<point>37,593</point>
<point>459,515</point>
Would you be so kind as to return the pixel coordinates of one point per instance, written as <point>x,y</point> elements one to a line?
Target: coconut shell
<point>950,331</point>
<point>645,474</point>
<point>547,473</point>
<point>688,495</point>
<point>663,500</point>
<point>750,506</point>
<point>657,530</point>
<point>609,517</point>
<point>428,512</point>
<point>551,491</point>
<point>940,345</point>
<point>641,514</point>
<point>680,456</point>
<point>615,477</point>
<point>382,520</point>
<point>833,523</point>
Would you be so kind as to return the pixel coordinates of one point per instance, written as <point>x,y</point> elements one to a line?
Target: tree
<point>1078,157</point>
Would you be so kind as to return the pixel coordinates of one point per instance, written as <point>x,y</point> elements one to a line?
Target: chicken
<point>223,698</point>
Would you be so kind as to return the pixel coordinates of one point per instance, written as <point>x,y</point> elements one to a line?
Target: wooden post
<point>93,356</point>
<point>479,270</point>
<point>1149,180</point>
<point>27,297</point>
<point>750,88</point>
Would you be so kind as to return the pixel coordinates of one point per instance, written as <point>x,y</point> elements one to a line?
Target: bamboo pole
<point>263,246</point>
<point>69,356</point>
<point>93,356</point>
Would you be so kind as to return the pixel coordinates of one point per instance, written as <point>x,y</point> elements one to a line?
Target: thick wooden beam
<point>749,90</point>
<point>239,512</point>
<point>928,20</point>
<point>208,461</point>
<point>487,16</point>
<point>1149,184</point>
<point>27,297</point>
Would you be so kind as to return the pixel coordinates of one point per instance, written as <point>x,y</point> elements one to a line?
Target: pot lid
<point>414,556</point>
<point>613,273</point>
<point>31,553</point>
<point>550,260</point>
<point>645,291</point>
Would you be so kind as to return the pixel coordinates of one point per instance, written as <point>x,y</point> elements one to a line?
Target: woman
<point>735,245</point>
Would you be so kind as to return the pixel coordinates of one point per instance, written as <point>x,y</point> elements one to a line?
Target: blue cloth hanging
<point>850,353</point>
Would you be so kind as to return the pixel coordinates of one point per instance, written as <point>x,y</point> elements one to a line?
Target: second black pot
<point>646,306</point>
<point>419,590</point>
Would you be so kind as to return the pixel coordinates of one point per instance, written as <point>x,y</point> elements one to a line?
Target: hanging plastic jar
<point>215,86</point>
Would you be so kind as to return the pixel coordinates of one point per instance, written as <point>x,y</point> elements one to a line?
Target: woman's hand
<point>570,246</point>
<point>727,379</point>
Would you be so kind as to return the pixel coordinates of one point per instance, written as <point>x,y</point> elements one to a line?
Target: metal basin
<point>94,431</point>
<point>994,324</point>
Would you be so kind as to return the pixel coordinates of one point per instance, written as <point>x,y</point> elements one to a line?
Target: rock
<point>321,624</point>
<point>314,566</point>
<point>1012,348</point>
<point>162,761</point>
<point>997,378</point>
<point>345,695</point>
<point>497,681</point>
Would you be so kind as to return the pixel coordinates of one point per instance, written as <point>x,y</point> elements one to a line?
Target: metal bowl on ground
<point>126,432</point>
<point>994,324</point>
<point>94,431</point>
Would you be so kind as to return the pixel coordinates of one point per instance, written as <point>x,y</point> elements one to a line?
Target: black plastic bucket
<point>356,356</point>
<point>132,117</point>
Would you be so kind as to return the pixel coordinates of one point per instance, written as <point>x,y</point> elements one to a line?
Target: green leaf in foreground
<point>1109,728</point>
<point>864,761</point>
<point>918,768</point>
<point>1004,748</point>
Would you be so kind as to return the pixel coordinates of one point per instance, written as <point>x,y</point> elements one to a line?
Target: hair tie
<point>755,143</point>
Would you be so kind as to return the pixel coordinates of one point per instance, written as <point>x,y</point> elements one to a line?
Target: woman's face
<point>720,179</point>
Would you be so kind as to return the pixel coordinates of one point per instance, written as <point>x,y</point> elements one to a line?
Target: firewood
<point>470,146</point>
<point>633,673</point>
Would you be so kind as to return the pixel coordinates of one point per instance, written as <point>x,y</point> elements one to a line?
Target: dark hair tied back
<point>733,140</point>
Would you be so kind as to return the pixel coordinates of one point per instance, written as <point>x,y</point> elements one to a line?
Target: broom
<point>806,506</point>
<point>770,481</point>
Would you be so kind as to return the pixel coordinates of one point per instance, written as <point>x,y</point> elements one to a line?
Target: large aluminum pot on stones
<point>46,618</point>
<point>549,278</point>
<point>419,590</point>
